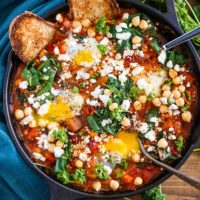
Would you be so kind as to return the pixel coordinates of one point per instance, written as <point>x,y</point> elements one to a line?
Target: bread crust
<point>90,9</point>
<point>29,34</point>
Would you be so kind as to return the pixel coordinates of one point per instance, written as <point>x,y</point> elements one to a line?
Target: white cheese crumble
<point>144,127</point>
<point>43,109</point>
<point>104,99</point>
<point>123,36</point>
<point>82,75</point>
<point>56,51</point>
<point>92,102</point>
<point>39,156</point>
<point>26,120</point>
<point>151,135</point>
<point>104,41</point>
<point>97,91</point>
<point>64,57</point>
<point>126,104</point>
<point>169,64</point>
<point>42,141</point>
<point>106,122</point>
<point>137,70</point>
<point>23,85</point>
<point>58,152</point>
<point>83,156</point>
<point>66,75</point>
<point>162,57</point>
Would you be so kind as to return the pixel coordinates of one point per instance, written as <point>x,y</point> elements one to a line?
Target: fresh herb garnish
<point>179,144</point>
<point>100,171</point>
<point>75,90</point>
<point>60,134</point>
<point>103,49</point>
<point>124,162</point>
<point>154,194</point>
<point>101,25</point>
<point>79,176</point>
<point>154,44</point>
<point>184,108</point>
<point>118,174</point>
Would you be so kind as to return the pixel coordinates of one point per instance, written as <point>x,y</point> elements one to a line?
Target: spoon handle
<point>183,38</point>
<point>190,180</point>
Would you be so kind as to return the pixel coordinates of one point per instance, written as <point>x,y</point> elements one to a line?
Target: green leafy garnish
<point>61,135</point>
<point>79,176</point>
<point>151,96</point>
<point>103,49</point>
<point>179,144</point>
<point>154,194</point>
<point>100,171</point>
<point>92,123</point>
<point>101,25</point>
<point>184,108</point>
<point>124,162</point>
<point>118,174</point>
<point>75,90</point>
<point>154,44</point>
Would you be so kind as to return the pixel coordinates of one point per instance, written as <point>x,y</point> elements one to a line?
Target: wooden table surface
<point>176,189</point>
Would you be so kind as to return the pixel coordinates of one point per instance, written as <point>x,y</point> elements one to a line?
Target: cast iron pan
<point>61,192</point>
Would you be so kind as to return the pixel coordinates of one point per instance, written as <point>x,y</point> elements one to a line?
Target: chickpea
<point>143,24</point>
<point>162,143</point>
<point>136,40</point>
<point>138,181</point>
<point>51,138</point>
<point>156,102</point>
<point>187,116</point>
<point>166,93</point>
<point>28,111</point>
<point>125,122</point>
<point>142,99</point>
<point>42,123</point>
<point>91,32</point>
<point>76,24</point>
<point>136,158</point>
<point>97,185</point>
<point>113,106</point>
<point>180,102</point>
<point>114,185</point>
<point>86,23</point>
<point>166,87</point>
<point>60,144</point>
<point>177,80</point>
<point>137,105</point>
<point>79,163</point>
<point>163,109</point>
<point>32,124</point>
<point>51,148</point>
<point>173,73</point>
<point>52,125</point>
<point>19,114</point>
<point>176,94</point>
<point>181,88</point>
<point>136,21</point>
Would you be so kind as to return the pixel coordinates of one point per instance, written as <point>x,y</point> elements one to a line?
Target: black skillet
<point>61,192</point>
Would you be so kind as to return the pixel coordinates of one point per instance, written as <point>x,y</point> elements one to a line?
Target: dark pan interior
<point>13,61</point>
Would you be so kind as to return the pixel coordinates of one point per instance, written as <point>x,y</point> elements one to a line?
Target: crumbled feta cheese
<point>118,56</point>
<point>188,84</point>
<point>177,68</point>
<point>43,58</point>
<point>151,148</point>
<point>27,120</point>
<point>93,81</point>
<point>64,57</point>
<point>164,100</point>
<point>58,152</point>
<point>43,109</point>
<point>54,91</point>
<point>104,41</point>
<point>144,127</point>
<point>83,156</point>
<point>169,64</point>
<point>171,129</point>
<point>123,36</point>
<point>82,75</point>
<point>66,75</point>
<point>126,104</point>
<point>123,25</point>
<point>137,70</point>
<point>176,112</point>
<point>56,51</point>
<point>125,16</point>
<point>133,65</point>
<point>171,137</point>
<point>106,70</point>
<point>97,91</point>
<point>106,122</point>
<point>31,99</point>
<point>104,99</point>
<point>150,135</point>
<point>118,28</point>
<point>23,85</point>
<point>173,107</point>
<point>42,141</point>
<point>162,57</point>
<point>59,17</point>
<point>92,102</point>
<point>107,166</point>
<point>154,119</point>
<point>39,156</point>
<point>77,30</point>
<point>123,77</point>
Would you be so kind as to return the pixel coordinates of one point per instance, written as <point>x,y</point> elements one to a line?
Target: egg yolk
<point>83,56</point>
<point>123,143</point>
<point>58,111</point>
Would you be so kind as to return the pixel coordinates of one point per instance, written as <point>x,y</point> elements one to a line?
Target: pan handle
<point>171,14</point>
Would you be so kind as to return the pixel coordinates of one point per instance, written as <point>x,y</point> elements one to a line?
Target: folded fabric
<point>18,181</point>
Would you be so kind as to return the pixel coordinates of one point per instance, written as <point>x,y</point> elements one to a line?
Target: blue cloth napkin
<point>18,181</point>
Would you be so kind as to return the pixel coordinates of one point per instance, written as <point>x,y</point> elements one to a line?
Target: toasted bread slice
<point>93,9</point>
<point>29,34</point>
